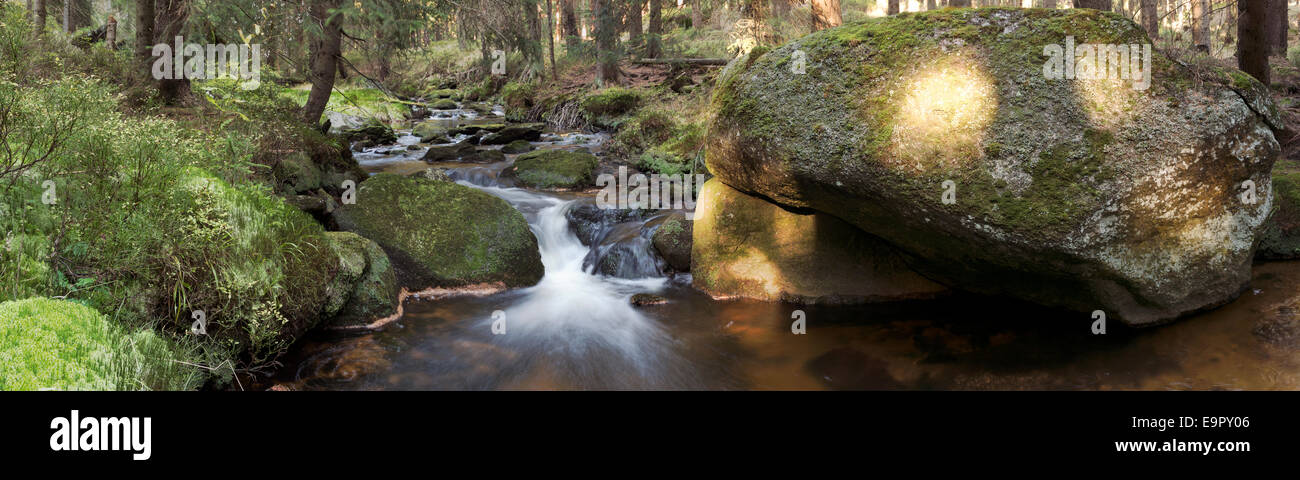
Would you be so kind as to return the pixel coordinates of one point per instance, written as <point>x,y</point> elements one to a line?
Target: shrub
<point>54,344</point>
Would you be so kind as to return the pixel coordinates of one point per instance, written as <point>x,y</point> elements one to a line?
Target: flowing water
<point>576,329</point>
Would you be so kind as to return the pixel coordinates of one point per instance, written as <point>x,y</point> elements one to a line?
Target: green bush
<point>54,344</point>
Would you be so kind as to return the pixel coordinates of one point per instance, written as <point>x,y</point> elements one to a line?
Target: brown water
<point>576,331</point>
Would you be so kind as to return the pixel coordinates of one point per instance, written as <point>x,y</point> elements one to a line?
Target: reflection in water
<point>576,330</point>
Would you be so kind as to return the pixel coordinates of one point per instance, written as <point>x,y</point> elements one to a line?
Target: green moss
<point>442,233</point>
<point>1281,236</point>
<point>444,104</point>
<point>370,282</point>
<point>556,169</point>
<point>62,345</point>
<point>611,101</point>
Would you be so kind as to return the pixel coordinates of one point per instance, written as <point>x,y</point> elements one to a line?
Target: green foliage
<point>62,345</point>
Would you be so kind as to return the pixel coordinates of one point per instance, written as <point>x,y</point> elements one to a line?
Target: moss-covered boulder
<point>443,234</point>
<point>444,104</point>
<point>554,169</point>
<point>372,133</point>
<point>524,131</point>
<point>430,132</point>
<point>517,146</point>
<point>48,344</point>
<point>672,239</point>
<point>296,174</point>
<point>372,290</point>
<point>745,246</point>
<point>1086,194</point>
<point>462,152</point>
<point>611,101</point>
<point>1280,239</point>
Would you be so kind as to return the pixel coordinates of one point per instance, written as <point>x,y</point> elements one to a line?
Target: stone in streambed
<point>1083,194</point>
<point>554,169</point>
<point>517,146</point>
<point>444,104</point>
<point>673,241</point>
<point>374,290</point>
<point>462,152</point>
<point>744,246</point>
<point>443,234</point>
<point>526,131</point>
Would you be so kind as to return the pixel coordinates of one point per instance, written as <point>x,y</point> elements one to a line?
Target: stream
<point>576,329</point>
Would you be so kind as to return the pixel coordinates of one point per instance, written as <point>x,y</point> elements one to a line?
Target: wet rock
<point>1280,239</point>
<point>443,234</point>
<point>444,104</point>
<point>647,299</point>
<point>430,132</point>
<point>625,251</point>
<point>673,241</point>
<point>374,289</point>
<point>554,169</point>
<point>748,247</point>
<point>589,222</point>
<point>526,131</point>
<point>462,152</point>
<point>296,174</point>
<point>371,134</point>
<point>472,129</point>
<point>1082,194</point>
<point>517,146</point>
<point>435,174</point>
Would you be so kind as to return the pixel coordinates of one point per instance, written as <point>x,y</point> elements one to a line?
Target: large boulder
<point>1085,194</point>
<point>673,241</point>
<point>443,234</point>
<point>744,246</point>
<point>1281,237</point>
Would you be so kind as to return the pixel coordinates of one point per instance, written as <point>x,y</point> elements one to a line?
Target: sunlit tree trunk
<point>1200,25</point>
<point>326,45</point>
<point>893,8</point>
<point>1252,38</point>
<point>825,14</point>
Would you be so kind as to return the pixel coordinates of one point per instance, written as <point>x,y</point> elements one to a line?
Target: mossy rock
<point>672,239</point>
<point>445,93</point>
<point>371,134</point>
<point>1084,194</point>
<point>518,146</point>
<point>372,289</point>
<point>48,344</point>
<point>611,101</point>
<point>744,246</point>
<point>430,132</point>
<point>444,104</point>
<point>1281,237</point>
<point>297,174</point>
<point>554,169</point>
<point>525,131</point>
<point>442,234</point>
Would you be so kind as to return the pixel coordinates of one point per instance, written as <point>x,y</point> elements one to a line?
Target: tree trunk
<point>550,37</point>
<point>893,8</point>
<point>144,18</point>
<point>697,17</point>
<point>169,19</point>
<point>959,3</point>
<point>325,48</point>
<point>825,14</point>
<point>76,15</point>
<point>38,11</point>
<point>656,28</point>
<point>1252,38</point>
<point>1278,27</point>
<point>569,25</point>
<point>1049,4</point>
<point>1103,5</point>
<point>1150,20</point>
<point>1200,25</point>
<point>634,24</point>
<point>606,25</point>
<point>110,33</point>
